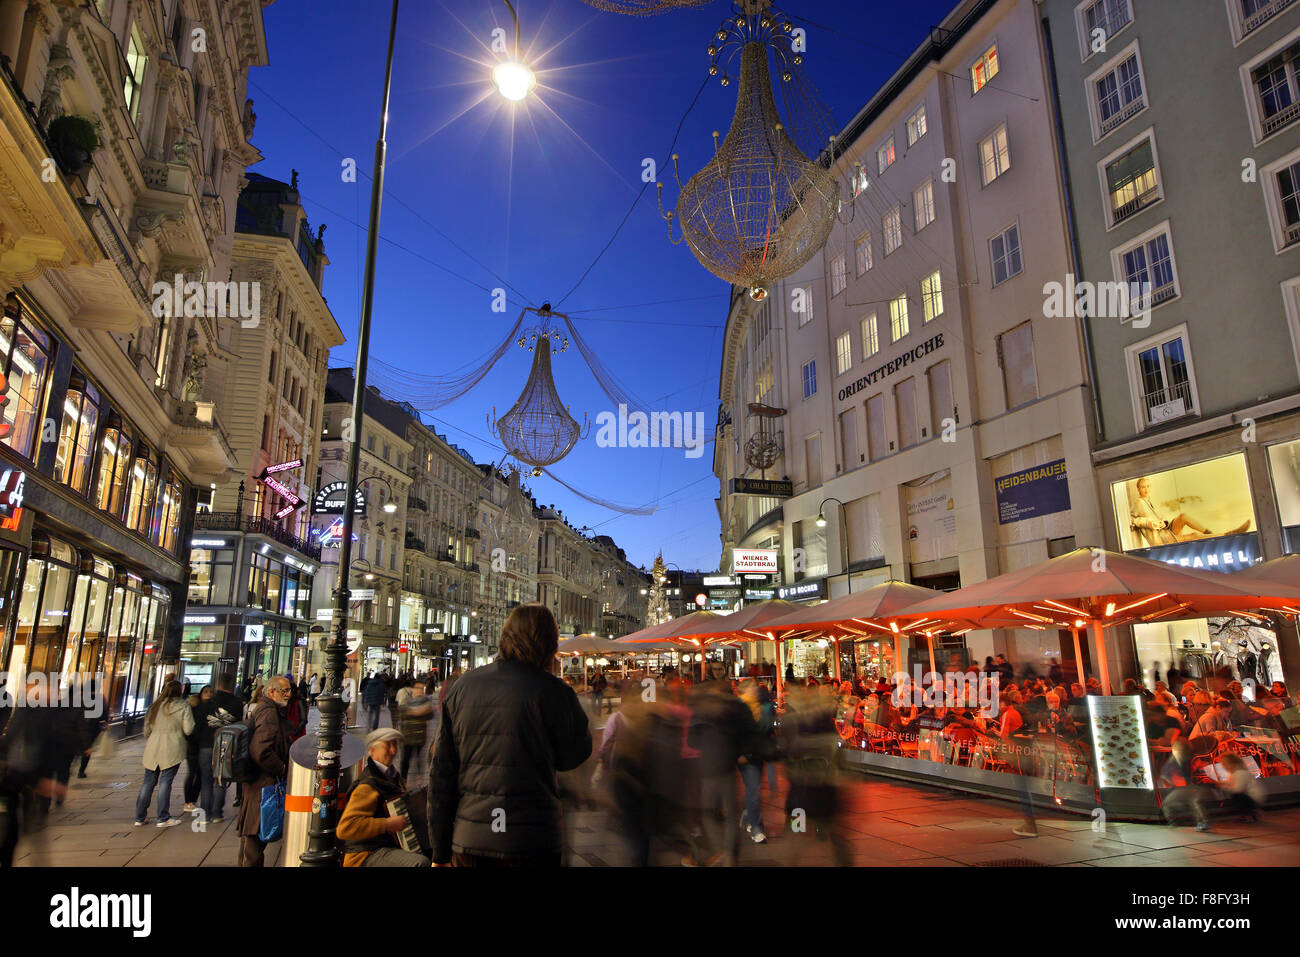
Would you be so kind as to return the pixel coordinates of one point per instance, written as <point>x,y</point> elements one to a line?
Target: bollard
<point>301,788</point>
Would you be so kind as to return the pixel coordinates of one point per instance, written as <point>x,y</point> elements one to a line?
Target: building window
<point>167,527</point>
<point>1107,16</point>
<point>864,253</point>
<point>1164,383</point>
<point>1281,182</point>
<point>905,402</point>
<point>1277,91</point>
<point>1249,15</point>
<point>810,378</point>
<point>870,337</point>
<point>25,354</point>
<point>984,69</point>
<point>885,155</point>
<point>136,62</point>
<point>1004,250</point>
<point>839,275</point>
<point>211,572</point>
<point>849,438</point>
<point>860,182</point>
<point>114,470</point>
<point>923,204</point>
<point>74,458</point>
<point>144,487</point>
<point>843,354</point>
<point>877,441</point>
<point>806,313</point>
<point>932,296</point>
<point>162,355</point>
<point>941,404</point>
<point>898,326</point>
<point>916,126</point>
<point>1016,357</point>
<point>1118,93</point>
<point>1132,183</point>
<point>995,155</point>
<point>892,226</point>
<point>1148,269</point>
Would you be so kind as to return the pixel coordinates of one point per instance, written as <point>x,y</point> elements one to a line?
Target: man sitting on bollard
<point>366,826</point>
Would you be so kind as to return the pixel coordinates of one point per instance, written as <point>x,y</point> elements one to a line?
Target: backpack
<point>230,758</point>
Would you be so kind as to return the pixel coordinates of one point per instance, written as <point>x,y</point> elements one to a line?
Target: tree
<point>657,602</point>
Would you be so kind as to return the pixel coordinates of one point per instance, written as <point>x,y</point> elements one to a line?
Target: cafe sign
<point>753,560</point>
<point>329,499</point>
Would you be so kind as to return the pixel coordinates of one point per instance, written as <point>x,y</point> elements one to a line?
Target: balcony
<point>1137,204</point>
<point>1283,117</point>
<point>1261,16</point>
<point>470,567</point>
<point>418,504</point>
<point>1291,235</point>
<point>414,543</point>
<point>1124,115</point>
<point>231,522</point>
<point>471,532</point>
<point>197,433</point>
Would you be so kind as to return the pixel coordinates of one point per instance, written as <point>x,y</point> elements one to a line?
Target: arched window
<point>74,458</point>
<point>144,487</point>
<point>24,364</point>
<point>114,468</point>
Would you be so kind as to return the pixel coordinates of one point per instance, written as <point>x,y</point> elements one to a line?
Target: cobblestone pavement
<point>883,823</point>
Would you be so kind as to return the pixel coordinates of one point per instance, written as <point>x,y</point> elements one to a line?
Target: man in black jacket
<point>506,729</point>
<point>221,709</point>
<point>722,732</point>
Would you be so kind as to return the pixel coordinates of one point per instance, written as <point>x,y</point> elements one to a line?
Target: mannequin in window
<point>1155,529</point>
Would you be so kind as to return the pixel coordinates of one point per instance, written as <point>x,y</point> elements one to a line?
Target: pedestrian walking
<point>373,696</point>
<point>506,729</point>
<point>413,721</point>
<point>221,709</point>
<point>29,759</point>
<point>1179,792</point>
<point>313,688</point>
<point>366,827</point>
<point>268,749</point>
<point>166,726</point>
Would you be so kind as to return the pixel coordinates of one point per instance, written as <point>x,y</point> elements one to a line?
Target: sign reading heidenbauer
<point>753,560</point>
<point>1041,490</point>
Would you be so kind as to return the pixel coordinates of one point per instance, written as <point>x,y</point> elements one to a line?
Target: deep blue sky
<point>533,194</point>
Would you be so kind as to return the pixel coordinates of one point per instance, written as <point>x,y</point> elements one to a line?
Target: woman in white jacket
<point>169,720</point>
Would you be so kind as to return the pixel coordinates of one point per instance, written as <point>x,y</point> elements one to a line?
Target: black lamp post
<point>322,850</point>
<point>821,523</point>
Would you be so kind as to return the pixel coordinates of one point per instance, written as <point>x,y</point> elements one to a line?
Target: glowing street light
<point>514,79</point>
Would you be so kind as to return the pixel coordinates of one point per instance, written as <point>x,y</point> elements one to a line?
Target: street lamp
<point>821,523</point>
<point>390,506</point>
<point>513,78</point>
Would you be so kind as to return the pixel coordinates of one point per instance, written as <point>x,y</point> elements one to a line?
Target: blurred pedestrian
<point>167,725</point>
<point>29,764</point>
<point>1179,791</point>
<point>1243,790</point>
<point>413,721</point>
<point>506,729</point>
<point>721,730</point>
<point>313,687</point>
<point>193,779</point>
<point>812,803</point>
<point>373,695</point>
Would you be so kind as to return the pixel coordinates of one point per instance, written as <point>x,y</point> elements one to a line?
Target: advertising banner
<point>753,560</point>
<point>1193,503</point>
<point>1041,490</point>
<point>931,517</point>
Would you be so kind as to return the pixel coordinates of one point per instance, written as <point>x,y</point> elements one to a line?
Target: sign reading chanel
<point>892,366</point>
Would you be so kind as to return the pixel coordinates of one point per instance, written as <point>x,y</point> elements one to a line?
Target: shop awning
<point>592,645</point>
<point>673,628</point>
<point>856,614</point>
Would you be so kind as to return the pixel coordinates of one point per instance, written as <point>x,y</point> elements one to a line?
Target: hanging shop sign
<point>12,482</point>
<point>710,580</point>
<point>329,499</point>
<point>772,488</point>
<point>892,366</point>
<point>753,560</point>
<point>286,493</point>
<point>207,543</point>
<point>254,634</point>
<point>363,594</point>
<point>281,467</point>
<point>302,641</point>
<point>802,591</point>
<point>332,535</point>
<point>1041,490</point>
<point>324,614</point>
<point>759,594</point>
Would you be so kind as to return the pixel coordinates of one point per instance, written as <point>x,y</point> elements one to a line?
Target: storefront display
<point>1284,460</point>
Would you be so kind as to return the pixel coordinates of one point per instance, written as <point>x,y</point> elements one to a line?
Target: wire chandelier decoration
<point>760,209</point>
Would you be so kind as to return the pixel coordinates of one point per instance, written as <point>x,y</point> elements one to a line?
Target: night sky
<point>481,194</point>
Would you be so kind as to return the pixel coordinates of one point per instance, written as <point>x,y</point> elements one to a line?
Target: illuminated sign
<point>207,543</point>
<point>753,560</point>
<point>363,594</point>
<point>286,493</point>
<point>253,634</point>
<point>282,467</point>
<point>333,534</point>
<point>803,590</point>
<point>12,482</point>
<point>329,499</point>
<point>718,580</point>
<point>200,619</point>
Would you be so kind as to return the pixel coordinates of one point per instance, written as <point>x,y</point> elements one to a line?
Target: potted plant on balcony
<point>72,139</point>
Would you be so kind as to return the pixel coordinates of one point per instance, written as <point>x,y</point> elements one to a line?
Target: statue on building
<point>249,119</point>
<point>192,373</point>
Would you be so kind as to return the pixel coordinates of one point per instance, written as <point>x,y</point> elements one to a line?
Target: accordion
<point>414,806</point>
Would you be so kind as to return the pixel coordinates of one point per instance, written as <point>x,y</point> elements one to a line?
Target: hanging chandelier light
<point>761,208</point>
<point>538,429</point>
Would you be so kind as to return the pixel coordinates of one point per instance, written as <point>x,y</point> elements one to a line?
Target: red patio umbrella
<point>1099,589</point>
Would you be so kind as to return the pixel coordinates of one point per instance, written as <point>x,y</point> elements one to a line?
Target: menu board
<point>1119,741</point>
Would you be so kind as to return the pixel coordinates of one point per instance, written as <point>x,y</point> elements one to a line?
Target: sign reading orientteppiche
<point>774,488</point>
<point>1041,490</point>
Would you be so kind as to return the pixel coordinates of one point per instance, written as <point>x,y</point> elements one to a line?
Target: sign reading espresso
<point>892,366</point>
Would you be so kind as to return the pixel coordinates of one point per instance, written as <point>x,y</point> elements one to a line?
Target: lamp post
<point>821,523</point>
<point>322,850</point>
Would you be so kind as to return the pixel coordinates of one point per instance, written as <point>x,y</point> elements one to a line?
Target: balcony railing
<point>416,503</point>
<point>1281,118</point>
<point>1291,234</point>
<point>471,532</point>
<point>231,522</point>
<point>1123,115</point>
<point>414,543</point>
<point>1263,15</point>
<point>1136,205</point>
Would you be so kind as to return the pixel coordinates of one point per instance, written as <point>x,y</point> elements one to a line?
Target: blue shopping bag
<point>272,823</point>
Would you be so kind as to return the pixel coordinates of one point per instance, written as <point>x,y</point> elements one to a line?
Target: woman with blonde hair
<point>166,728</point>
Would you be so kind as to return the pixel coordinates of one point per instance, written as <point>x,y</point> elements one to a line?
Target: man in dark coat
<point>506,729</point>
<point>721,729</point>
<point>373,697</point>
<point>269,749</point>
